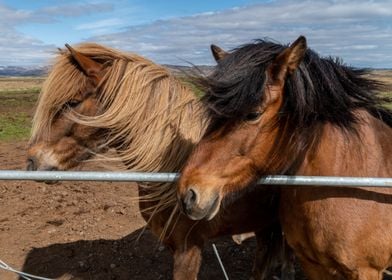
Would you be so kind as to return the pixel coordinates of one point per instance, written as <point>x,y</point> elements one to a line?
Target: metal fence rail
<point>172,177</point>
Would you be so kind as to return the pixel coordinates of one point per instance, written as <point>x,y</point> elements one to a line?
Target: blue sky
<point>174,32</point>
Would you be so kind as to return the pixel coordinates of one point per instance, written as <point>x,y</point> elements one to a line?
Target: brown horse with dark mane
<point>285,110</point>
<point>96,98</point>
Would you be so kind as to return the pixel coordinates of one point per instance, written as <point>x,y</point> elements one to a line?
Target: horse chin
<point>208,213</point>
<point>214,209</point>
<point>49,182</point>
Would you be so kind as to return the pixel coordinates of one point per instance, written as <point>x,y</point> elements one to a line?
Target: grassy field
<point>385,76</point>
<point>18,96</point>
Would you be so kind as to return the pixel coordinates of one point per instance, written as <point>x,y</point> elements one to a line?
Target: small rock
<point>52,231</point>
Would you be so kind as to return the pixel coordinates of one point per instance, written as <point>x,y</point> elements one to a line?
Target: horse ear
<point>91,68</point>
<point>61,51</point>
<point>217,52</point>
<point>289,59</point>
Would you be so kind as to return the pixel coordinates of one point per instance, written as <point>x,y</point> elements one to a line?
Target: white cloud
<point>349,29</point>
<point>17,48</point>
<point>9,16</point>
<point>75,10</point>
<point>359,31</point>
<point>100,24</point>
<point>355,47</point>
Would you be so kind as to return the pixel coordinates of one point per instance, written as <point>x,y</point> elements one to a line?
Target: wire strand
<point>24,275</point>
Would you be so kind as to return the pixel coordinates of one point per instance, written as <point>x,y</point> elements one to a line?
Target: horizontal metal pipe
<point>87,176</point>
<point>172,177</point>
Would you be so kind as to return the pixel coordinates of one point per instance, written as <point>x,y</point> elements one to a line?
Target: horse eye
<point>72,103</point>
<point>253,116</point>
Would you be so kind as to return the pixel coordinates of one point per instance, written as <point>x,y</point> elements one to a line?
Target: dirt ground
<point>88,230</point>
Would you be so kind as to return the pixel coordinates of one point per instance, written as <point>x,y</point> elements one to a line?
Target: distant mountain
<point>23,71</point>
<point>180,70</point>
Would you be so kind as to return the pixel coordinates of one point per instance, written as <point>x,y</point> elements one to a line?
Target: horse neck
<point>364,153</point>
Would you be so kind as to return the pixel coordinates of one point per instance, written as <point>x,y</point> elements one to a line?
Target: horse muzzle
<point>32,165</point>
<point>198,206</point>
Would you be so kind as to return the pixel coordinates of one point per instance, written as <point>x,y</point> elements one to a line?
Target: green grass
<point>389,105</point>
<point>19,97</point>
<point>188,82</point>
<point>20,90</point>
<point>15,126</point>
<point>389,95</point>
<point>16,108</point>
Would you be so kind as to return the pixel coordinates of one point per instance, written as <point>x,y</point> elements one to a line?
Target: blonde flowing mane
<point>156,117</point>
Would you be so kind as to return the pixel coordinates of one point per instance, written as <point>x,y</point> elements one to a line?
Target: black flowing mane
<point>321,90</point>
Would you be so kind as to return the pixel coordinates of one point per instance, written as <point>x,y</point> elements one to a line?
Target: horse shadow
<point>132,258</point>
<point>137,259</point>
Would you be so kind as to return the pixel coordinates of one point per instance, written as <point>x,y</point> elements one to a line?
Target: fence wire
<point>23,275</point>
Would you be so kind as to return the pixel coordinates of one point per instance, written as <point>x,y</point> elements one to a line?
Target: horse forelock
<point>237,84</point>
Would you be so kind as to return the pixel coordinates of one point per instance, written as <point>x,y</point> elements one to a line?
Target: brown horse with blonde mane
<point>96,98</point>
<point>285,110</point>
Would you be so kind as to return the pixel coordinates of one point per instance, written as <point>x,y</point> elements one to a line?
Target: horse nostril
<point>31,164</point>
<point>190,199</point>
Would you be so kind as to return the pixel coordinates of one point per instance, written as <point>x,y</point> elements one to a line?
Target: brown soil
<point>88,230</point>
